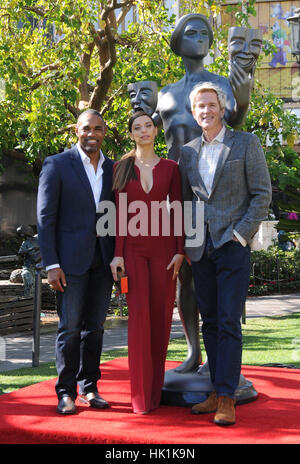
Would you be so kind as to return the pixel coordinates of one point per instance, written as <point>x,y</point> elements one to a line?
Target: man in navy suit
<point>71,185</point>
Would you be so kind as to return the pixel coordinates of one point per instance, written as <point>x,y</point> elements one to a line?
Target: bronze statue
<point>191,40</point>
<point>143,95</point>
<point>30,251</point>
<point>244,47</point>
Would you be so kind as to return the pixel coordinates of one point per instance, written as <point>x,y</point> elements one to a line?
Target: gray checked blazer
<point>241,191</point>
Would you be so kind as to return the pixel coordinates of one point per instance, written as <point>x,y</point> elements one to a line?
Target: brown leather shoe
<point>207,406</point>
<point>225,414</point>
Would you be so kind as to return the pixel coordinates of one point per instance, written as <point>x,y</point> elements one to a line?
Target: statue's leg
<point>189,315</point>
<point>28,281</point>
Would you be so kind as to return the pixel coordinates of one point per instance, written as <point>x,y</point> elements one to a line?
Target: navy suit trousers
<point>221,280</point>
<point>82,310</point>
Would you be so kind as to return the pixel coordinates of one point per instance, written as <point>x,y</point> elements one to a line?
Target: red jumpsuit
<point>151,290</point>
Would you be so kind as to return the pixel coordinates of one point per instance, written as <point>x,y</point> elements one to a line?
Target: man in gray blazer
<point>227,171</point>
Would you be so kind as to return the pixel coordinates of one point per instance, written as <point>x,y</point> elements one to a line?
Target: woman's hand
<point>117,262</point>
<point>176,262</point>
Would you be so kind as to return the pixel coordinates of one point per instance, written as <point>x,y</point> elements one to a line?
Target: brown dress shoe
<point>207,406</point>
<point>225,414</point>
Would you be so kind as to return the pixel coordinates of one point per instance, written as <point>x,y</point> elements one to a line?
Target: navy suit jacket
<point>66,213</point>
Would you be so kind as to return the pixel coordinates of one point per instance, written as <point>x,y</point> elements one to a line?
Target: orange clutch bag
<point>122,282</point>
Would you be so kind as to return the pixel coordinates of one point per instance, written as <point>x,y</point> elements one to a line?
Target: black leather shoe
<point>66,406</point>
<point>94,400</point>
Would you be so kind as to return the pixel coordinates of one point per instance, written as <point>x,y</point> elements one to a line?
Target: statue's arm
<point>241,85</point>
<point>156,118</point>
<point>23,249</point>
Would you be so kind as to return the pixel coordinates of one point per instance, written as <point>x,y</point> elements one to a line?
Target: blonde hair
<point>208,86</point>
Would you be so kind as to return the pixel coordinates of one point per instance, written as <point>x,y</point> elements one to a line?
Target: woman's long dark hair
<point>124,171</point>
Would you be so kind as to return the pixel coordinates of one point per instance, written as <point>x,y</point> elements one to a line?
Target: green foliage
<point>270,340</point>
<point>278,131</point>
<point>45,79</point>
<point>285,224</point>
<point>277,128</point>
<point>266,340</point>
<point>274,271</point>
<point>19,378</point>
<point>41,76</point>
<point>239,10</point>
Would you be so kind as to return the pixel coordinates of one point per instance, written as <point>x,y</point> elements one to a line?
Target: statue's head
<point>143,96</point>
<point>192,36</point>
<point>25,231</point>
<point>244,46</point>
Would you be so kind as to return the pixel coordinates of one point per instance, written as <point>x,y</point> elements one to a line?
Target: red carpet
<point>28,415</point>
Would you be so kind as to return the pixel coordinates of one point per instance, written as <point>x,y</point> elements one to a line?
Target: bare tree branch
<point>118,139</point>
<point>48,67</point>
<point>111,99</point>
<point>70,128</point>
<point>123,13</point>
<point>85,61</point>
<point>105,41</point>
<point>114,5</point>
<point>108,58</point>
<point>72,109</point>
<point>33,9</point>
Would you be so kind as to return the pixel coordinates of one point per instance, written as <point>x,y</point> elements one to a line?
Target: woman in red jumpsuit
<point>149,248</point>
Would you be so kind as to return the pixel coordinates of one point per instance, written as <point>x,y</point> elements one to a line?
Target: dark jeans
<point>221,282</point>
<point>82,310</point>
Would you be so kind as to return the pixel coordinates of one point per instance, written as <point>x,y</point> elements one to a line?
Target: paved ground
<point>16,350</point>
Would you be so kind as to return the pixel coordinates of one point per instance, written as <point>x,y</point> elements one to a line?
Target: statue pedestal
<point>193,387</point>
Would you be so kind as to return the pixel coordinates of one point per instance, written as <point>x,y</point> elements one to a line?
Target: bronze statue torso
<point>175,110</point>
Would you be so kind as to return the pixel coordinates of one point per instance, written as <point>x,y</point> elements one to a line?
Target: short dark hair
<point>90,111</point>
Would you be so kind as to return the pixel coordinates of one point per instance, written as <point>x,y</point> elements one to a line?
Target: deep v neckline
<point>152,172</point>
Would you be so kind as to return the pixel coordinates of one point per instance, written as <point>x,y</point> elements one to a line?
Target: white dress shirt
<point>95,179</point>
<point>208,161</point>
<point>210,153</point>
